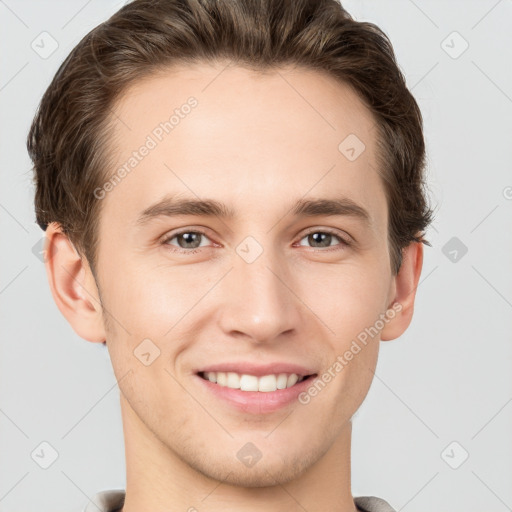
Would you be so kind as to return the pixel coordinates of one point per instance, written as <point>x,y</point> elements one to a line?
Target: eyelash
<point>344,242</point>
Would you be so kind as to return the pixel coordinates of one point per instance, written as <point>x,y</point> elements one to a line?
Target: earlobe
<point>73,286</point>
<point>405,285</point>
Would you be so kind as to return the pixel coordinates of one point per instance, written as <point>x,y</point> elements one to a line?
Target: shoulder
<point>372,504</point>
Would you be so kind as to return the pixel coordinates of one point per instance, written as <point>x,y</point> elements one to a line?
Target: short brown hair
<point>67,141</point>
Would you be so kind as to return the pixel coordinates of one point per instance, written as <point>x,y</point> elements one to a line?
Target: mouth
<point>253,383</point>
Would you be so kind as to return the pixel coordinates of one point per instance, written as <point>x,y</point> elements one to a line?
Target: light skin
<point>257,143</point>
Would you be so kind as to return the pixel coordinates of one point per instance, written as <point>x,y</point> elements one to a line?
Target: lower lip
<point>257,402</point>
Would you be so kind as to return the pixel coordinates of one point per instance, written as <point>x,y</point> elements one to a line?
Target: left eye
<point>324,238</point>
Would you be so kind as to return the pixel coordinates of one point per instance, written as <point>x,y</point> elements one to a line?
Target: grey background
<point>446,380</point>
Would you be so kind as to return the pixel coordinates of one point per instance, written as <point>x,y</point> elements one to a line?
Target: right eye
<point>189,238</point>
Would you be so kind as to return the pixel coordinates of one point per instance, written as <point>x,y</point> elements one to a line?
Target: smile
<point>246,382</point>
<point>254,394</point>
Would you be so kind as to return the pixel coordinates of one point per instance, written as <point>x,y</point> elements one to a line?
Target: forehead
<point>247,138</point>
<point>290,97</point>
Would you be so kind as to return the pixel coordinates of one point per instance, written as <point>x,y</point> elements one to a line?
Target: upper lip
<point>251,368</point>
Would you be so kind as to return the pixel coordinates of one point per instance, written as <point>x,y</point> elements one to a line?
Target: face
<point>260,283</point>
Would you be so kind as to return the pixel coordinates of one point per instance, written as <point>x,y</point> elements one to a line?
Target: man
<point>233,198</point>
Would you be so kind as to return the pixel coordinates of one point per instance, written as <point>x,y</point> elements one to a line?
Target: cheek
<point>146,301</point>
<point>160,304</point>
<point>347,298</point>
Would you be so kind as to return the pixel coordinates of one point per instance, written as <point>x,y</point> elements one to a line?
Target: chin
<point>265,475</point>
<point>275,469</point>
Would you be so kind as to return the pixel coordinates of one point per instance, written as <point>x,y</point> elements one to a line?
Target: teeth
<point>282,379</point>
<point>247,382</point>
<point>233,380</point>
<point>292,379</point>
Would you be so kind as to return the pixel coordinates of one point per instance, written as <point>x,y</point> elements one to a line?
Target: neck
<point>158,479</point>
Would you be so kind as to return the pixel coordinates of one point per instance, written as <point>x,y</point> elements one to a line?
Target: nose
<point>258,302</point>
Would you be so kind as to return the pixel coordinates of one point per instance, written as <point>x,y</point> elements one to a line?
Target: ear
<point>404,286</point>
<point>73,285</point>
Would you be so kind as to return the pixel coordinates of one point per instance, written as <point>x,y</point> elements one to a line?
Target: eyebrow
<point>170,207</point>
